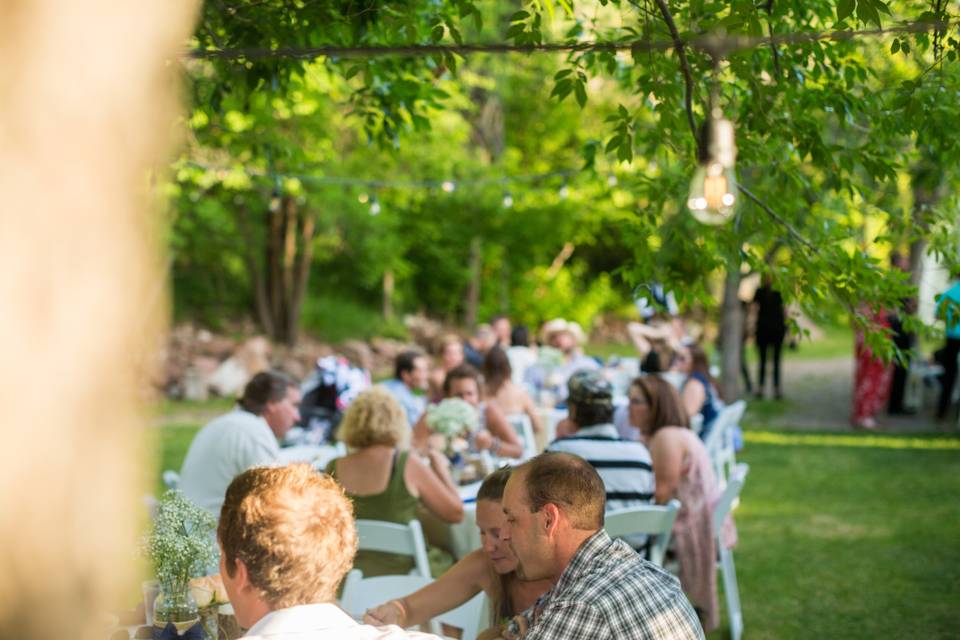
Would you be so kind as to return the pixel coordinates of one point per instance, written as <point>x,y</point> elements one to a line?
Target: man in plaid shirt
<point>602,588</point>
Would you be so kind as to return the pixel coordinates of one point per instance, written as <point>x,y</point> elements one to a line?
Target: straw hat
<point>559,325</point>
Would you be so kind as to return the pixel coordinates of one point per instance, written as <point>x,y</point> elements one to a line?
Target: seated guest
<point>287,539</point>
<point>502,331</point>
<point>387,483</point>
<point>246,437</point>
<point>683,470</point>
<point>698,392</point>
<point>493,434</point>
<point>409,383</point>
<point>602,588</point>
<point>476,347</point>
<point>623,465</point>
<point>491,569</point>
<point>565,337</point>
<point>510,398</point>
<point>522,356</point>
<point>450,352</point>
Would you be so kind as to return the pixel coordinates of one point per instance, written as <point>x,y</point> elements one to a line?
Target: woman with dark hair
<point>502,392</point>
<point>493,433</point>
<point>682,470</point>
<point>491,569</point>
<point>698,392</point>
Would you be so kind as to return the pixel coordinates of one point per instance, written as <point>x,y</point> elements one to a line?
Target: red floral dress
<point>871,383</point>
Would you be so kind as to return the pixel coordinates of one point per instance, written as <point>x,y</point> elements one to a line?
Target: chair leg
<point>732,593</point>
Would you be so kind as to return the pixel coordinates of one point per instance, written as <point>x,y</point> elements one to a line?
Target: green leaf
<point>895,47</point>
<point>437,34</point>
<point>613,143</point>
<point>519,16</point>
<point>581,93</point>
<point>563,73</point>
<point>867,12</point>
<point>845,9</point>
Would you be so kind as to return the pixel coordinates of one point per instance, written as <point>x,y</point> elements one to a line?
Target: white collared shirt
<point>316,621</point>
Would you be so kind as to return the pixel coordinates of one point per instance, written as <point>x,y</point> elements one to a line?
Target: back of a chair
<point>468,617</point>
<point>524,428</point>
<point>719,442</point>
<point>402,539</point>
<point>730,494</point>
<point>652,520</point>
<point>360,594</point>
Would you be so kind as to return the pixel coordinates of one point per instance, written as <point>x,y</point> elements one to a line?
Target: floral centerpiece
<point>454,419</point>
<point>181,546</point>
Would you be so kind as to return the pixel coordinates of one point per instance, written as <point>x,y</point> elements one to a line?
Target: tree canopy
<point>570,168</point>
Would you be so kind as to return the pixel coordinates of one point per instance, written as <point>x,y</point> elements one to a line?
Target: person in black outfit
<point>771,330</point>
<point>903,340</point>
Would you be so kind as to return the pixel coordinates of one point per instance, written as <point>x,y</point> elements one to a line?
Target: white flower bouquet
<point>182,544</point>
<point>453,419</point>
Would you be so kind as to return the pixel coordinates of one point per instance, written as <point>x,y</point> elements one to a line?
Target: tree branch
<point>773,43</point>
<point>796,235</point>
<point>684,65</point>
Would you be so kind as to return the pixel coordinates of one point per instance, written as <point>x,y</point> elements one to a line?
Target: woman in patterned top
<point>491,569</point>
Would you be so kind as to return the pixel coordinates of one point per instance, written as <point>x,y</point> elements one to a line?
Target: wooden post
<point>88,95</point>
<point>473,289</point>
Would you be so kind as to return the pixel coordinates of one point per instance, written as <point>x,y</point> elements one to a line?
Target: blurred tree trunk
<point>473,289</point>
<point>388,287</point>
<point>731,334</point>
<point>926,182</point>
<point>280,277</point>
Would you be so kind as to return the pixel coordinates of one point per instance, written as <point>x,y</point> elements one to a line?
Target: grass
<point>840,541</point>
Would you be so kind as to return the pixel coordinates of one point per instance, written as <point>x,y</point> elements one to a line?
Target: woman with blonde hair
<point>450,351</point>
<point>384,481</point>
<point>682,469</point>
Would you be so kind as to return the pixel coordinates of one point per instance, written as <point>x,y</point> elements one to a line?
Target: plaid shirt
<point>608,591</point>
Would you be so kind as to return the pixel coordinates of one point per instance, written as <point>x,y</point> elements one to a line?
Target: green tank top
<point>394,504</point>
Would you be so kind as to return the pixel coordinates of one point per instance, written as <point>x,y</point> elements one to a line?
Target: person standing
<point>949,312</point>
<point>903,341</point>
<point>771,330</point>
<point>871,383</point>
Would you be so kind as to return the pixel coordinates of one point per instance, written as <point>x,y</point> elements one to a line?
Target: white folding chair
<point>652,520</point>
<point>726,566</point>
<point>401,539</point>
<point>360,594</point>
<point>719,442</point>
<point>524,427</point>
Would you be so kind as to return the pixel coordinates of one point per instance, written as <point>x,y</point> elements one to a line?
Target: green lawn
<point>841,536</point>
<point>840,541</point>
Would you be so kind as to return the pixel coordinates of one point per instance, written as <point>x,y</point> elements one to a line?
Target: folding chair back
<point>652,520</point>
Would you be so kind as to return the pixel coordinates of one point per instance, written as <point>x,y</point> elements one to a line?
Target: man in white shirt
<point>287,538</point>
<point>243,438</point>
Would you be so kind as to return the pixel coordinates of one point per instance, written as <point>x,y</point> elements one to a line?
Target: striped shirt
<point>624,466</point>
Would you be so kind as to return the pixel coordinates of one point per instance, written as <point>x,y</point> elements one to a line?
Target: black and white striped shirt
<point>624,466</point>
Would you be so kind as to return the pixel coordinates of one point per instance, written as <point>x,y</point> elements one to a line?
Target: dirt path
<point>818,398</point>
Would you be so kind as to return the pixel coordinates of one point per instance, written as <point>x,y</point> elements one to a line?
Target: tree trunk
<point>926,179</point>
<point>388,285</point>
<point>731,334</point>
<point>473,289</point>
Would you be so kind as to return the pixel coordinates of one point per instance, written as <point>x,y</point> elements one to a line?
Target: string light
<point>611,180</point>
<point>363,198</point>
<point>449,186</point>
<point>374,206</point>
<point>564,192</point>
<point>507,201</point>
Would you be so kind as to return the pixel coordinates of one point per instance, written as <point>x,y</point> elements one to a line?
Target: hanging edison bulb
<point>713,190</point>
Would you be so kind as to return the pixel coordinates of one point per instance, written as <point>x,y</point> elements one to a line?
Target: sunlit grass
<point>840,541</point>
